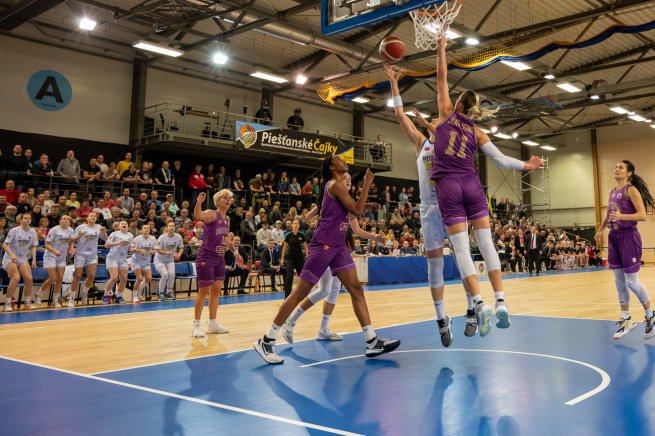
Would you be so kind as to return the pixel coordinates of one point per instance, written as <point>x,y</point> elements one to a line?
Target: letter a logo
<point>49,90</point>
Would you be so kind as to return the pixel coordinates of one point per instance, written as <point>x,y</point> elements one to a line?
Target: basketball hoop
<point>432,21</point>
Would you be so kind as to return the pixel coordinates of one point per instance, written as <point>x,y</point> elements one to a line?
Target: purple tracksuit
<point>624,240</point>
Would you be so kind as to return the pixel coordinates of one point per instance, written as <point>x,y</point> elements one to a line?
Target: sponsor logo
<point>620,196</point>
<point>247,135</point>
<point>634,260</point>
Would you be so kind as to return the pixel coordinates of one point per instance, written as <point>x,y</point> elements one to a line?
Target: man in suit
<point>519,246</point>
<point>236,264</point>
<point>533,248</point>
<point>270,259</point>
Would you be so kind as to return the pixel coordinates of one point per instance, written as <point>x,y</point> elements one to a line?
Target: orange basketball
<point>392,49</point>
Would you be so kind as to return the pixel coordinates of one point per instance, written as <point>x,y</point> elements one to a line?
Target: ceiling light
<point>619,110</point>
<point>423,114</point>
<point>515,135</point>
<point>87,24</point>
<point>549,76</point>
<point>433,28</point>
<point>566,86</point>
<point>548,147</point>
<point>594,97</point>
<point>220,58</point>
<point>637,118</point>
<point>268,76</point>
<point>631,113</point>
<point>518,65</point>
<point>157,49</point>
<point>451,34</point>
<point>530,143</point>
<point>494,129</point>
<point>472,40</point>
<point>653,126</point>
<point>301,79</point>
<point>390,103</point>
<point>502,135</point>
<point>361,100</point>
<point>487,131</point>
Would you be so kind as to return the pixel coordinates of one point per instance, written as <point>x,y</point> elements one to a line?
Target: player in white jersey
<point>142,250</point>
<point>57,246</point>
<point>19,243</point>
<point>119,246</point>
<point>328,286</point>
<point>169,249</point>
<point>86,254</point>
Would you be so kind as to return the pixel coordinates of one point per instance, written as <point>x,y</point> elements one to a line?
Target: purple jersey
<point>620,202</point>
<point>214,238</point>
<point>332,226</point>
<point>455,146</point>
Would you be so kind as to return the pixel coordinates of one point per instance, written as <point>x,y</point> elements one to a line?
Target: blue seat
<point>4,284</point>
<point>184,271</point>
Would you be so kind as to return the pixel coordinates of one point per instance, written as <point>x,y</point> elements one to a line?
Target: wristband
<point>397,101</point>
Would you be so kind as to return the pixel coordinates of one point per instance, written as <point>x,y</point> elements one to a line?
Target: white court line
<point>605,378</point>
<point>559,310</point>
<point>193,400</point>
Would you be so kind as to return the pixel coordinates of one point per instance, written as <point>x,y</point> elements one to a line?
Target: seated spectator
<point>268,186</point>
<point>247,229</point>
<point>71,201</point>
<point>102,210</point>
<point>196,242</point>
<point>264,235</point>
<point>395,249</point>
<point>294,188</point>
<point>10,214</point>
<point>260,217</point>
<point>183,218</point>
<point>22,206</point>
<point>185,230</point>
<point>307,191</point>
<point>283,185</point>
<point>359,249</point>
<point>270,263</point>
<point>10,192</point>
<point>154,199</point>
<point>407,250</point>
<point>84,210</point>
<point>236,264</point>
<point>173,208</point>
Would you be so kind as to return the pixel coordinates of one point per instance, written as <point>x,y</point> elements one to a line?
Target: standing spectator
<point>294,188</point>
<point>222,179</point>
<point>109,178</point>
<point>124,165</point>
<point>283,185</point>
<point>197,183</point>
<point>534,248</point>
<point>125,202</point>
<point>237,183</point>
<point>164,175</point>
<point>17,165</point>
<point>91,175</point>
<point>69,168</point>
<point>377,149</point>
<point>28,155</point>
<point>100,160</point>
<point>263,114</point>
<point>10,192</point>
<point>146,176</point>
<point>271,263</point>
<point>42,171</point>
<point>130,177</point>
<point>295,121</point>
<point>210,176</point>
<point>178,180</point>
<point>256,189</point>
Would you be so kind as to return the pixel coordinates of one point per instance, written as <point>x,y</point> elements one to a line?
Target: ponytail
<point>326,175</point>
<point>471,107</point>
<point>641,186</point>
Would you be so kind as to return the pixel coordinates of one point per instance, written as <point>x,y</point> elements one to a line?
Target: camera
<point>227,103</point>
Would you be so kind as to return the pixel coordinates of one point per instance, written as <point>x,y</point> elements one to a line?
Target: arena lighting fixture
<point>517,65</point>
<point>450,34</point>
<point>87,23</point>
<point>548,147</point>
<point>566,86</point>
<point>390,103</point>
<point>638,118</point>
<point>653,126</point>
<point>515,135</point>
<point>530,143</point>
<point>268,76</point>
<point>472,40</point>
<point>594,97</point>
<point>487,131</point>
<point>360,100</point>
<point>494,129</point>
<point>220,58</point>
<point>158,49</point>
<point>619,110</point>
<point>502,135</point>
<point>301,79</point>
<point>423,114</point>
<point>549,76</point>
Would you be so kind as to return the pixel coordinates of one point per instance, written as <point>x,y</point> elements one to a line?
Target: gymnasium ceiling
<point>281,35</point>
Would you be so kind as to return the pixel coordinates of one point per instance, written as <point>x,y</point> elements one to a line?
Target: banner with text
<point>270,138</point>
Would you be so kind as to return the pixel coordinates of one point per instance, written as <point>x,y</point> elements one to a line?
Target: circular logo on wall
<point>247,135</point>
<point>49,90</point>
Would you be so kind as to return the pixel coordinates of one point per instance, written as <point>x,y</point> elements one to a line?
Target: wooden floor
<point>104,343</point>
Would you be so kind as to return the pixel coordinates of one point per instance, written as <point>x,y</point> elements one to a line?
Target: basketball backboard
<point>340,15</point>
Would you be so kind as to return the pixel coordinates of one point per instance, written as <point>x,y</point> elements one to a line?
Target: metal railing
<point>216,125</point>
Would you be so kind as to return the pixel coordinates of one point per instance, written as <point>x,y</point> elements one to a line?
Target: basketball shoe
<point>471,327</point>
<point>287,331</point>
<point>328,335</point>
<point>379,345</point>
<point>445,331</point>
<point>502,315</point>
<point>197,331</point>
<point>266,350</point>
<point>625,327</point>
<point>483,312</point>
<point>650,331</point>
<point>214,327</point>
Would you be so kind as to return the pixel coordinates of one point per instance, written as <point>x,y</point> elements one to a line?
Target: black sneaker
<point>267,351</point>
<point>650,331</point>
<point>379,345</point>
<point>471,327</point>
<point>445,331</point>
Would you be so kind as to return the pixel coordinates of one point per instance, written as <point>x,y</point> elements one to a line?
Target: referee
<point>293,257</point>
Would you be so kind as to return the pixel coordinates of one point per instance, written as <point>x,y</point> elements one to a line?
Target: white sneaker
<point>71,303</point>
<point>287,332</point>
<point>625,327</point>
<point>214,327</point>
<point>57,303</point>
<point>197,331</point>
<point>31,306</point>
<point>85,300</point>
<point>8,307</point>
<point>136,300</point>
<point>37,298</point>
<point>267,351</point>
<point>328,335</point>
<point>502,315</point>
<point>483,313</point>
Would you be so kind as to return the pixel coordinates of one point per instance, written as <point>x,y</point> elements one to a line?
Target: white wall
<point>100,106</point>
<point>500,182</point>
<point>316,116</point>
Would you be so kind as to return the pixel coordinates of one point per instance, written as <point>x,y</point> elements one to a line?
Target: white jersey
<point>59,238</point>
<point>88,243</point>
<point>424,164</point>
<point>21,242</point>
<point>141,243</point>
<point>168,243</point>
<point>119,252</point>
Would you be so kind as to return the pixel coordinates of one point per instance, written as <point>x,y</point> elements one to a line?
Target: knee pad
<point>621,287</point>
<point>633,283</point>
<point>317,294</point>
<point>487,249</point>
<point>460,242</point>
<point>334,291</point>
<point>435,272</point>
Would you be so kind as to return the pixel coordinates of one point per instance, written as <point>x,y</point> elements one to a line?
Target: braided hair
<point>641,185</point>
<point>326,175</point>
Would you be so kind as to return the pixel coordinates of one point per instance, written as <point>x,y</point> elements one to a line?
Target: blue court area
<point>543,376</point>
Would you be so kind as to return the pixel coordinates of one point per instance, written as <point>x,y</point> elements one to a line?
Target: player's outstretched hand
<point>368,178</point>
<point>535,163</point>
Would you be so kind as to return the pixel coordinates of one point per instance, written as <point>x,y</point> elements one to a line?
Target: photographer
<point>263,115</point>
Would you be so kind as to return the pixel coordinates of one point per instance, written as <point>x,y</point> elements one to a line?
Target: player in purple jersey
<point>460,192</point>
<point>627,204</point>
<point>328,249</point>
<point>210,261</point>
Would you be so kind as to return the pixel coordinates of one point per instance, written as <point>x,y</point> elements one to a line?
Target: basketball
<point>392,49</point>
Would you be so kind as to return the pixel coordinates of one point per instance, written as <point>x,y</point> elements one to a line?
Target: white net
<point>431,21</point>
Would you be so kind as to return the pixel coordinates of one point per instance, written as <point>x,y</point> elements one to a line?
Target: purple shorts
<point>461,197</point>
<point>320,257</point>
<point>624,251</point>
<point>209,271</point>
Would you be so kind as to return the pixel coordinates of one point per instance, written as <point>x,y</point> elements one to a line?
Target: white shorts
<point>6,260</point>
<point>120,264</point>
<point>54,262</point>
<point>143,266</point>
<point>81,260</point>
<point>434,231</point>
